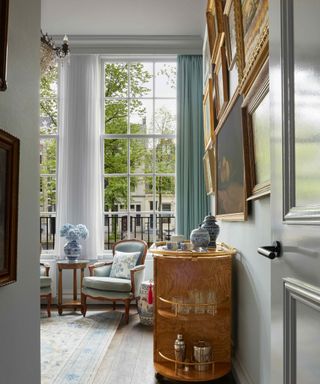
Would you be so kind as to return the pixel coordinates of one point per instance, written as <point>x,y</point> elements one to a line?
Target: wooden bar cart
<point>192,297</point>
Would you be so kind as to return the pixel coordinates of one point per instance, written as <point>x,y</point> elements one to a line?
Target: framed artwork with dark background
<point>231,195</point>
<point>9,181</point>
<point>4,15</point>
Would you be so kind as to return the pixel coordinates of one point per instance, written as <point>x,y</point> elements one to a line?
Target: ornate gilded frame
<point>221,82</point>
<point>208,115</point>
<point>9,180</point>
<point>257,144</point>
<point>214,16</point>
<point>209,169</point>
<point>4,14</point>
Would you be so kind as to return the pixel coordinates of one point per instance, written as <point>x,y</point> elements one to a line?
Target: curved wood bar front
<point>192,293</point>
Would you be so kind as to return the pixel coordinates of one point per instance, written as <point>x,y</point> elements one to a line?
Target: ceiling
<point>123,17</point>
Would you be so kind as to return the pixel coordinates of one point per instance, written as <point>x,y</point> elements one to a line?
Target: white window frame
<point>133,59</point>
<point>55,136</point>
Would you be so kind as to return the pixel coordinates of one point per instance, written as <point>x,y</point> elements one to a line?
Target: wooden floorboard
<point>129,359</point>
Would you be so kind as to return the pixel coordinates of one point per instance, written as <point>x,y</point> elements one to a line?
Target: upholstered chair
<point>118,279</point>
<point>45,286</point>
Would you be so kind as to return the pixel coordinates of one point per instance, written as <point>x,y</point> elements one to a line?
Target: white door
<point>295,198</point>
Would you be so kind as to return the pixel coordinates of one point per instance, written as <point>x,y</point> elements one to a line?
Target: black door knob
<point>271,251</point>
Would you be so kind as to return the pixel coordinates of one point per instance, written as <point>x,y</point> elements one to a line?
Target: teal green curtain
<point>192,203</point>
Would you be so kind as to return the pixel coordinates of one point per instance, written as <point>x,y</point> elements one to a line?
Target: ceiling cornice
<point>137,44</point>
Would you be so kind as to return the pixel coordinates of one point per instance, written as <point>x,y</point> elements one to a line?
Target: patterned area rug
<point>72,346</point>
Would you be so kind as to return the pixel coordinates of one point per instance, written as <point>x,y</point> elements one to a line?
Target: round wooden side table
<point>75,266</point>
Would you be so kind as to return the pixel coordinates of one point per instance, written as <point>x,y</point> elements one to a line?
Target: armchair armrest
<point>104,266</point>
<point>137,276</point>
<point>45,267</point>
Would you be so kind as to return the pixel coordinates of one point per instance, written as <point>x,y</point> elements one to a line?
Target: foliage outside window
<point>48,157</point>
<point>139,135</point>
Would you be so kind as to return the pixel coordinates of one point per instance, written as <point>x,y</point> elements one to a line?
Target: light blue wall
<point>19,115</point>
<point>251,289</point>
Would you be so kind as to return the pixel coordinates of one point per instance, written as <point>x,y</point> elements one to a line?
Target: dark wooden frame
<point>221,71</point>
<point>251,103</point>
<point>9,181</point>
<point>208,115</point>
<point>231,172</point>
<point>4,15</point>
<point>214,16</point>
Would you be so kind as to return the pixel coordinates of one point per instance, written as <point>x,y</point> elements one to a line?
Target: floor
<point>129,359</point>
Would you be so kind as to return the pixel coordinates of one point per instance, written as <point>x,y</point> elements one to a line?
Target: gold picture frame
<point>221,82</point>
<point>208,115</point>
<point>231,175</point>
<point>256,125</point>
<point>255,24</point>
<point>215,26</point>
<point>209,169</point>
<point>9,181</point>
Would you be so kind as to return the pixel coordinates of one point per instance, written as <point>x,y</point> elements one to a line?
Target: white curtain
<point>79,168</point>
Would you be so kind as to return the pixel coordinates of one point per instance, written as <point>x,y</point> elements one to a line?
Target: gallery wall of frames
<point>236,105</point>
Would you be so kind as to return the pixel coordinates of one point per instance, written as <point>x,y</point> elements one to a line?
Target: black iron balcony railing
<point>116,228</point>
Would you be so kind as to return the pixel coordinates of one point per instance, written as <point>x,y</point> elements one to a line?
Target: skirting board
<point>240,374</point>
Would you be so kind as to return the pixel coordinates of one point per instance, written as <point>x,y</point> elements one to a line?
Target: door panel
<point>295,180</point>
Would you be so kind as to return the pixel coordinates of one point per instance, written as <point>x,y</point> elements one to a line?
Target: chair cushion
<point>45,281</point>
<point>122,263</point>
<point>107,284</point>
<point>131,246</point>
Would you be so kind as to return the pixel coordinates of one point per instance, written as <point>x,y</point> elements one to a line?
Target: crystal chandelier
<point>49,53</point>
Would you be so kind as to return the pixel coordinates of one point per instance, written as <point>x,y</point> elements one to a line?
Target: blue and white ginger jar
<point>200,237</point>
<point>210,224</point>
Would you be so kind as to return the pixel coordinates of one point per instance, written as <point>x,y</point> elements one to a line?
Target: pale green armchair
<point>45,286</point>
<point>119,279</point>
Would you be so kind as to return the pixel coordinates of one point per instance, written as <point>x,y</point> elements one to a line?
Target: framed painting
<point>221,82</point>
<point>206,60</point>
<point>4,14</point>
<point>208,118</point>
<point>255,120</point>
<point>209,169</point>
<point>231,198</point>
<point>232,17</point>
<point>255,33</point>
<point>215,26</point>
<point>9,180</point>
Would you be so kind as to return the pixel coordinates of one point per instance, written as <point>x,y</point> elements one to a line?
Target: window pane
<point>116,80</point>
<point>165,192</point>
<point>47,194</point>
<point>165,116</point>
<point>165,155</point>
<point>166,226</point>
<point>141,193</point>
<point>141,116</point>
<point>48,155</point>
<point>141,155</point>
<point>115,193</point>
<point>47,231</point>
<point>165,79</point>
<point>49,84</point>
<point>115,156</point>
<point>141,79</point>
<point>48,116</point>
<point>115,228</point>
<point>116,116</point>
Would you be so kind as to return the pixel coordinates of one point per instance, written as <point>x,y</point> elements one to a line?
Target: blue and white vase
<point>200,238</point>
<point>72,250</point>
<point>209,223</point>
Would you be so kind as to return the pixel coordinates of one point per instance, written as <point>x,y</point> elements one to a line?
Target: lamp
<point>50,53</point>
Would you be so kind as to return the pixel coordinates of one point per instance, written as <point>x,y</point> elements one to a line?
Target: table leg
<point>60,293</point>
<point>82,275</point>
<point>75,287</point>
